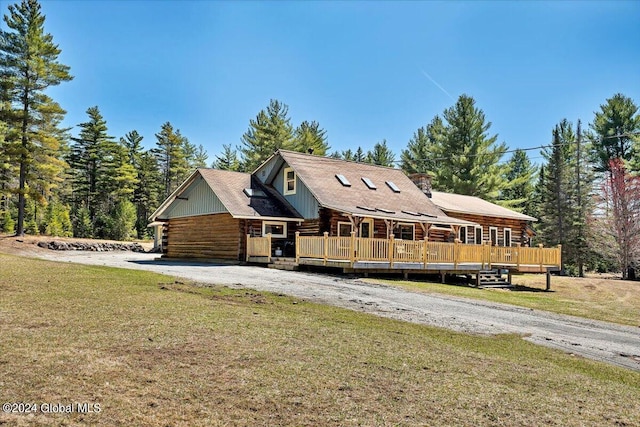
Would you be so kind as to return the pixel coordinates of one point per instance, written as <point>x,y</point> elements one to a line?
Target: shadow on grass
<point>179,263</point>
<point>522,288</point>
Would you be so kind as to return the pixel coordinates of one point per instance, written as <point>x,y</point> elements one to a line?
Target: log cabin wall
<point>517,226</point>
<point>216,236</point>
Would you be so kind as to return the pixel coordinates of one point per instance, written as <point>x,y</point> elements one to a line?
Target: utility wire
<point>526,149</point>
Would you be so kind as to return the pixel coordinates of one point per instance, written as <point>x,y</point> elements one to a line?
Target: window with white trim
<point>406,231</point>
<point>344,229</point>
<point>479,235</point>
<point>289,181</point>
<point>462,234</point>
<point>366,228</point>
<point>493,235</point>
<point>276,228</point>
<point>507,237</point>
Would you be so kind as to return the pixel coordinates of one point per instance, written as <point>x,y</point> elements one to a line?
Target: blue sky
<point>366,71</point>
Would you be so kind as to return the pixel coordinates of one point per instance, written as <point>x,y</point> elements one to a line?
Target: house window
<point>277,229</point>
<point>463,234</point>
<point>493,235</point>
<point>406,231</point>
<point>366,228</point>
<point>507,237</point>
<point>289,181</point>
<point>344,229</point>
<point>479,236</point>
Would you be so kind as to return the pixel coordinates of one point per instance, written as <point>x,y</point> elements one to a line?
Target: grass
<point>156,352</point>
<point>609,300</point>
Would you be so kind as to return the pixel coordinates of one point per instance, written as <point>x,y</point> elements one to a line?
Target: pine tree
<point>171,157</point>
<point>359,156</point>
<point>228,160</point>
<point>419,156</point>
<point>616,127</point>
<point>89,152</point>
<point>198,158</point>
<point>557,209</point>
<point>467,157</point>
<point>310,138</point>
<point>29,63</point>
<point>381,155</point>
<point>268,132</point>
<point>519,175</point>
<point>147,195</point>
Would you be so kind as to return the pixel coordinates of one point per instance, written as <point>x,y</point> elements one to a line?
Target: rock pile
<point>91,246</point>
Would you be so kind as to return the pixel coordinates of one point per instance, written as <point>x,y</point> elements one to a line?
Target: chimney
<point>423,182</point>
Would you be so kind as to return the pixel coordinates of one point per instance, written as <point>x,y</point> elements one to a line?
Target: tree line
<point>585,192</point>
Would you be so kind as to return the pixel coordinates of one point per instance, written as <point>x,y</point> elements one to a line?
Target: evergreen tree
<point>557,209</point>
<point>419,156</point>
<point>171,157</point>
<point>28,66</point>
<point>519,175</point>
<point>89,152</point>
<point>381,155</point>
<point>359,156</point>
<point>616,127</point>
<point>146,196</point>
<point>268,132</point>
<point>348,155</point>
<point>132,142</point>
<point>309,137</point>
<point>198,158</point>
<point>467,157</point>
<point>228,160</point>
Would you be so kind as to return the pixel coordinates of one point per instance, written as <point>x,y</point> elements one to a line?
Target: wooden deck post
<point>560,257</point>
<point>456,253</point>
<point>352,248</point>
<point>297,247</point>
<point>517,257</point>
<point>540,257</point>
<point>487,255</point>
<point>392,249</point>
<point>248,237</point>
<point>548,288</point>
<point>326,246</point>
<point>425,252</point>
<point>269,247</point>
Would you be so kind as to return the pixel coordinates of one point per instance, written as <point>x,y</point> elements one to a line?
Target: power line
<point>631,134</point>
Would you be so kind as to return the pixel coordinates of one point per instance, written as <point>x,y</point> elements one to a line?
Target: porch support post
<point>352,249</point>
<point>517,258</point>
<point>392,250</point>
<point>548,288</point>
<point>247,250</point>
<point>326,247</point>
<point>297,247</point>
<point>540,258</point>
<point>425,243</point>
<point>560,257</point>
<point>269,247</point>
<point>456,253</point>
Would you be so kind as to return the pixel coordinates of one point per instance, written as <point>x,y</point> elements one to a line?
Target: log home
<point>354,216</point>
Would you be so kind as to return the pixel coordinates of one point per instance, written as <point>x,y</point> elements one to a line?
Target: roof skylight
<point>392,186</point>
<point>369,183</point>
<point>343,180</point>
<point>252,192</point>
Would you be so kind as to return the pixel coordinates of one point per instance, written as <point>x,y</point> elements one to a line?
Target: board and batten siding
<point>303,201</point>
<point>217,236</point>
<point>201,200</point>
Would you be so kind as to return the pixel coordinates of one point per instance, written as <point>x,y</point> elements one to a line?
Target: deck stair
<point>282,263</point>
<point>492,279</point>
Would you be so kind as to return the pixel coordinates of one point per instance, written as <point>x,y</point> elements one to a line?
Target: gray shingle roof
<point>410,204</point>
<point>475,206</point>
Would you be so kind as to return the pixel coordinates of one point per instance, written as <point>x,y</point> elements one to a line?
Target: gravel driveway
<point>615,344</point>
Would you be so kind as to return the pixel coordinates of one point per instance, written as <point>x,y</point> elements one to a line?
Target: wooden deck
<point>354,254</point>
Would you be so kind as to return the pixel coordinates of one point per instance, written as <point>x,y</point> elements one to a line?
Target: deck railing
<point>353,249</point>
